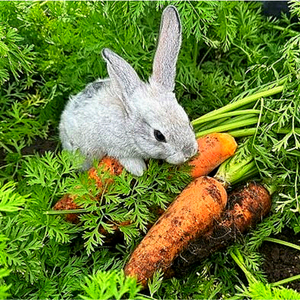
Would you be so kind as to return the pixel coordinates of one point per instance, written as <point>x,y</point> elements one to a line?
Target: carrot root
<point>67,201</point>
<point>191,214</point>
<point>246,207</point>
<point>213,149</point>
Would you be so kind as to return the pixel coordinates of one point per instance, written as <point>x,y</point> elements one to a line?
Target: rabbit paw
<point>136,166</point>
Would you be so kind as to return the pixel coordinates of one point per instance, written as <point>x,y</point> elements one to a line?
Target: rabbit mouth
<point>176,159</point>
<point>181,157</point>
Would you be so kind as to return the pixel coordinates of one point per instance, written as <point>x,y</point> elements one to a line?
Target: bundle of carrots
<point>196,217</point>
<point>203,219</point>
<point>218,217</point>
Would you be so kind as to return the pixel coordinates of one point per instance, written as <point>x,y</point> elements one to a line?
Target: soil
<point>280,262</point>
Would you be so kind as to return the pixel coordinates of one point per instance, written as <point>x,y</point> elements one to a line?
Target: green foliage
<point>3,287</point>
<point>51,50</point>
<point>129,199</point>
<point>111,285</point>
<point>15,56</point>
<point>259,290</point>
<point>10,201</point>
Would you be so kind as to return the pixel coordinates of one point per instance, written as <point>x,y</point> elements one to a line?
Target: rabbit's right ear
<point>164,65</point>
<point>122,75</point>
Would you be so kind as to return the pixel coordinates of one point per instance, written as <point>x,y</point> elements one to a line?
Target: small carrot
<point>213,149</point>
<point>67,201</point>
<point>245,208</point>
<point>191,214</point>
<point>108,164</point>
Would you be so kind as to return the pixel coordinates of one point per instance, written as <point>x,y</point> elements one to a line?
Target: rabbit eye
<point>159,136</point>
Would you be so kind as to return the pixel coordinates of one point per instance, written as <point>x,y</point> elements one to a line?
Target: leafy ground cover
<point>50,50</point>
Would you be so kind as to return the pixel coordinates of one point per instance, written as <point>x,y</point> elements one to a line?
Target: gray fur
<point>118,116</point>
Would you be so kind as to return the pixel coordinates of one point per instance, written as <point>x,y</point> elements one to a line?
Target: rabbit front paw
<point>135,166</point>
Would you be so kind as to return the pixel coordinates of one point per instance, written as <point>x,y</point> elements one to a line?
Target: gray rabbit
<point>129,119</point>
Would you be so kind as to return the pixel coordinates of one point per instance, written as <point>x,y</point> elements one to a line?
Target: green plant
<point>108,285</point>
<point>51,50</point>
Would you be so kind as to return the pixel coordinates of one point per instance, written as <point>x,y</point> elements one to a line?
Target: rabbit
<point>128,119</point>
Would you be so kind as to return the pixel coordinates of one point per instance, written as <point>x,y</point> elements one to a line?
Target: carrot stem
<point>228,127</point>
<point>242,132</point>
<point>224,115</point>
<point>242,102</point>
<point>286,280</point>
<point>239,261</point>
<point>237,119</point>
<point>210,124</point>
<point>239,167</point>
<point>278,241</point>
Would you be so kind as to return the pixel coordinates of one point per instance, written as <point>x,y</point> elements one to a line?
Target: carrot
<point>67,201</point>
<point>191,214</point>
<point>246,207</point>
<point>109,164</point>
<point>213,149</point>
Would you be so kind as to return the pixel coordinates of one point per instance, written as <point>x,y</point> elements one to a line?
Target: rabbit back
<point>93,122</point>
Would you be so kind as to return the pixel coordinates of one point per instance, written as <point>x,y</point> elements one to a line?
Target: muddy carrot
<point>245,208</point>
<point>191,214</point>
<point>108,164</point>
<point>213,149</point>
<point>67,201</point>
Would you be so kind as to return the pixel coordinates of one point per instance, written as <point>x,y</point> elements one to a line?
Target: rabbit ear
<point>164,65</point>
<point>122,75</point>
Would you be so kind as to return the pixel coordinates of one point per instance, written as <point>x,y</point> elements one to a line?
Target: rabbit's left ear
<point>164,65</point>
<point>121,74</point>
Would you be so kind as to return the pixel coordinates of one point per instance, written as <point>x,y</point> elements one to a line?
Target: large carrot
<point>246,207</point>
<point>191,214</point>
<point>213,149</point>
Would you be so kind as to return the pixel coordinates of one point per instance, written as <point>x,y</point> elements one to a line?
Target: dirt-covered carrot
<point>245,208</point>
<point>213,149</point>
<point>67,201</point>
<point>191,214</point>
<point>108,164</point>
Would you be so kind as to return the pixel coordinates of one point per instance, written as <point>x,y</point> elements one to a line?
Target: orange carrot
<point>108,164</point>
<point>67,201</point>
<point>191,214</point>
<point>213,149</point>
<point>246,207</point>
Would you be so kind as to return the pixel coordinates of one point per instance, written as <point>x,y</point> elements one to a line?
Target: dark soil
<point>39,145</point>
<point>281,262</point>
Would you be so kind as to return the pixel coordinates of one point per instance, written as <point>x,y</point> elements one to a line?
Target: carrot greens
<point>238,71</point>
